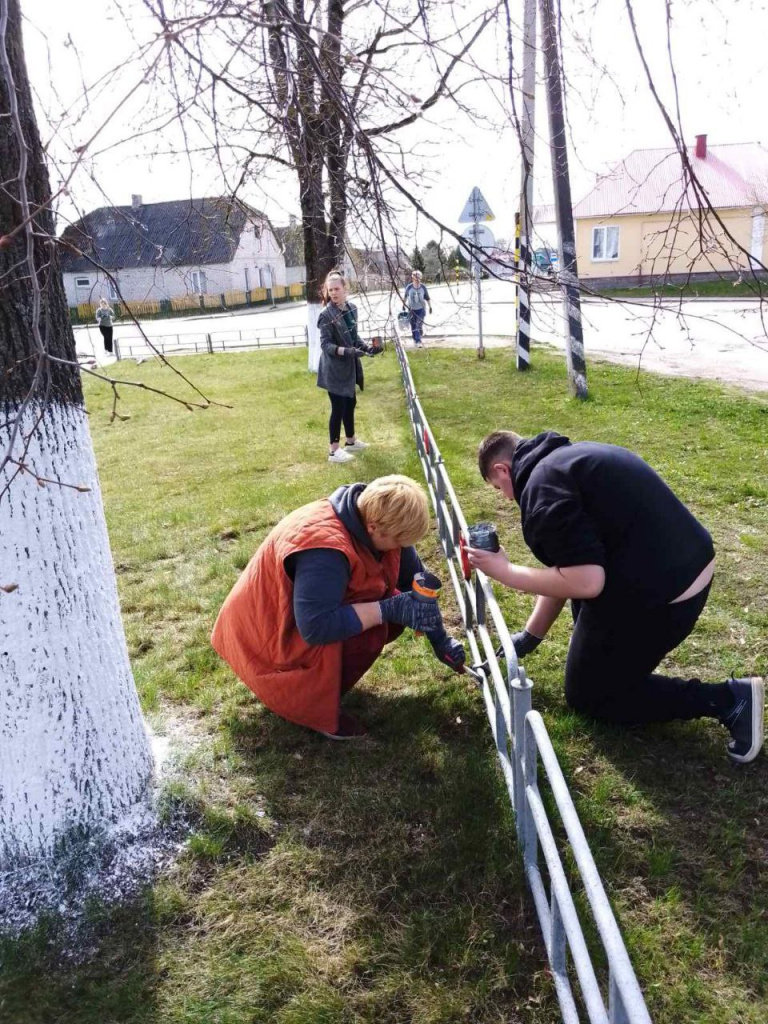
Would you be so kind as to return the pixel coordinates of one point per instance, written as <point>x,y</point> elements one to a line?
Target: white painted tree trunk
<point>74,752</point>
<point>314,309</point>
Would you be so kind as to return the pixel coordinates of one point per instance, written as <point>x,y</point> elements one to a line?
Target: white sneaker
<point>340,456</point>
<point>356,446</point>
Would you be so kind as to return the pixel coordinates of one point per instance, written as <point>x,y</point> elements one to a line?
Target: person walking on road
<point>637,567</point>
<point>105,317</point>
<point>415,299</point>
<point>340,371</point>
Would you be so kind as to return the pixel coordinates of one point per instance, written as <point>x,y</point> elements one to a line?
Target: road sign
<point>476,208</point>
<point>481,236</point>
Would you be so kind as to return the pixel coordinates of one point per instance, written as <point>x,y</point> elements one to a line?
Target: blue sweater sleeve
<point>320,580</point>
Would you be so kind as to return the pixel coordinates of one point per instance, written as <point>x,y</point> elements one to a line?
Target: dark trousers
<point>609,673</point>
<point>342,408</point>
<point>357,655</point>
<point>417,317</point>
<point>106,333</point>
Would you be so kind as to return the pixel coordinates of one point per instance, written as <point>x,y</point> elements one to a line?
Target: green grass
<point>694,290</point>
<point>380,883</point>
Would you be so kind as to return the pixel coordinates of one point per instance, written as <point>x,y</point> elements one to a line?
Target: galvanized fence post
<point>522,741</point>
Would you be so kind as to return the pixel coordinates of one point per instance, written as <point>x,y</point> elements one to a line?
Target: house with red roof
<point>665,216</point>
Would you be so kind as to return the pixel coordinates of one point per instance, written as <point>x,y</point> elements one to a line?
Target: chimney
<point>701,147</point>
<point>136,202</point>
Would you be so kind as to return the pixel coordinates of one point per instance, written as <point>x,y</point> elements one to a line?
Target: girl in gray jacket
<point>340,370</point>
<point>105,318</point>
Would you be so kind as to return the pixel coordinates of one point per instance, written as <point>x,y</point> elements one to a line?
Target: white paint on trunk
<point>74,752</point>
<point>314,309</point>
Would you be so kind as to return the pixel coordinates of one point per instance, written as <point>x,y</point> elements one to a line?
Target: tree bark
<point>74,753</point>
<point>313,129</point>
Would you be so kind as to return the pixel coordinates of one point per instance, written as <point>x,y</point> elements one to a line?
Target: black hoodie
<point>597,504</point>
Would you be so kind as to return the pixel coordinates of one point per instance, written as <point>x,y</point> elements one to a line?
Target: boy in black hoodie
<point>637,568</point>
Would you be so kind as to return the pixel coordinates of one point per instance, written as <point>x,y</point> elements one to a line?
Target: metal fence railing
<point>135,346</point>
<point>522,741</point>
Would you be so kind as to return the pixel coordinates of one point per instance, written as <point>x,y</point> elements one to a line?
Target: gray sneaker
<point>745,719</point>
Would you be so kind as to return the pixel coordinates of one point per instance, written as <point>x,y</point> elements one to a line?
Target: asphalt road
<point>716,339</point>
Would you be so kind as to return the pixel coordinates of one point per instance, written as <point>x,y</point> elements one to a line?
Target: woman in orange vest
<point>327,589</point>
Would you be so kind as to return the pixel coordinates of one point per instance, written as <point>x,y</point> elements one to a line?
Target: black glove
<point>406,610</point>
<point>451,652</point>
<point>350,353</point>
<point>524,642</point>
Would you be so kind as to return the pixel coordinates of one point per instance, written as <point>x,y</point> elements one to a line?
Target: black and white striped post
<point>525,218</point>
<point>517,276</point>
<point>569,279</point>
<point>523,297</point>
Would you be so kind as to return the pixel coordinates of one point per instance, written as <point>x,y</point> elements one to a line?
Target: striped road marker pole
<point>522,297</point>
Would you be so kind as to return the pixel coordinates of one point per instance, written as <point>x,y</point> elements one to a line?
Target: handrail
<point>521,739</point>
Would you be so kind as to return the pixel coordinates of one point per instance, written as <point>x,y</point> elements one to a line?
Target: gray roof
<point>185,232</point>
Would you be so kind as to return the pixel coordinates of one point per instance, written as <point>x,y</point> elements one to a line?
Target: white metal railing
<point>521,741</point>
<point>223,340</point>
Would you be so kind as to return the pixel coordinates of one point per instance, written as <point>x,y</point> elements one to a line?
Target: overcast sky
<point>720,57</point>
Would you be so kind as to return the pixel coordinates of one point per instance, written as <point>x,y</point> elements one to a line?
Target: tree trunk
<point>74,753</point>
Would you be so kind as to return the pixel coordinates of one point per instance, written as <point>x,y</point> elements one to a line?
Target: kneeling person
<point>326,590</point>
<point>637,567</point>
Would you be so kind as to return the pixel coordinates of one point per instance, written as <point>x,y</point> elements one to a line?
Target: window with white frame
<point>83,282</point>
<point>605,243</point>
<point>112,290</point>
<point>198,281</point>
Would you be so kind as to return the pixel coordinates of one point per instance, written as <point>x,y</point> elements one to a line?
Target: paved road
<point>716,339</point>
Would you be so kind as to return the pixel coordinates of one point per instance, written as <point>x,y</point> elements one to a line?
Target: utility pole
<point>569,279</point>
<point>525,260</point>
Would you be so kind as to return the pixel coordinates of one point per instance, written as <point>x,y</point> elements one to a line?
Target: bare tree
<point>316,89</point>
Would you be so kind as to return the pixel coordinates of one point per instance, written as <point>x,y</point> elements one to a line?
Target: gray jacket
<point>339,374</point>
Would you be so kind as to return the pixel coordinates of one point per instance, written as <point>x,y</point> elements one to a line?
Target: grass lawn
<point>695,290</point>
<point>328,884</point>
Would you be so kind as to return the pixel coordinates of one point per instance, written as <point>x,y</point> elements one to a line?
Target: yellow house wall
<point>658,244</point>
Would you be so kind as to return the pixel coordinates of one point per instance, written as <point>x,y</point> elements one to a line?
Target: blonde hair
<point>398,505</point>
<point>324,290</point>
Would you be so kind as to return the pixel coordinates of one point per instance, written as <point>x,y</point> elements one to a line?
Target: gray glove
<point>406,610</point>
<point>448,650</point>
<point>524,642</point>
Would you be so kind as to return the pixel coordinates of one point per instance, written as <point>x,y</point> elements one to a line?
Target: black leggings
<point>342,408</point>
<point>609,673</point>
<point>106,333</point>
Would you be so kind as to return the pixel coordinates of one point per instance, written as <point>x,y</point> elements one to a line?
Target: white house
<point>158,251</point>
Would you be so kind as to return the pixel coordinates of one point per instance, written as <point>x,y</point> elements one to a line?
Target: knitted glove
<point>525,642</point>
<point>405,610</point>
<point>449,651</point>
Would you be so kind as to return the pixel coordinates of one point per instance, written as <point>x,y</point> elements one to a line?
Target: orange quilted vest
<point>256,632</point>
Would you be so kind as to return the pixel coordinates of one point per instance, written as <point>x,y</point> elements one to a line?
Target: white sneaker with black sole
<point>356,446</point>
<point>745,719</point>
<point>340,456</point>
